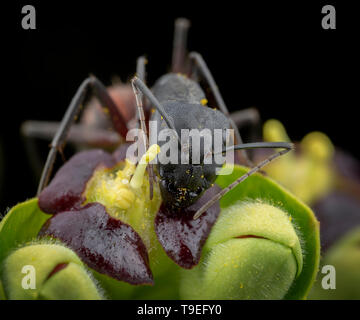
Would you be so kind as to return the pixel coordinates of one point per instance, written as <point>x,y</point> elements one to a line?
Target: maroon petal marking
<point>66,188</point>
<point>105,244</point>
<point>180,235</point>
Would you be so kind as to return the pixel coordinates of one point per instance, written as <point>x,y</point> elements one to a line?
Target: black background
<point>275,57</point>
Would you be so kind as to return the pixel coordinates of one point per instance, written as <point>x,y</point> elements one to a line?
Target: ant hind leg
<point>179,63</point>
<point>200,64</point>
<point>71,114</point>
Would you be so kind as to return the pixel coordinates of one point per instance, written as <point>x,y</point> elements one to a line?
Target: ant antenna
<point>287,147</point>
<point>136,82</point>
<point>179,61</point>
<point>258,145</point>
<point>141,73</point>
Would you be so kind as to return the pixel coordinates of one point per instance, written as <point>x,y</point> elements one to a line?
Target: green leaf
<point>20,225</point>
<point>258,187</point>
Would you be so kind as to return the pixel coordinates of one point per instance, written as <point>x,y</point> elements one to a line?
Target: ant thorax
<point>178,87</point>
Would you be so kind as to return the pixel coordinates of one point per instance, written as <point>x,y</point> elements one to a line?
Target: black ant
<point>179,103</point>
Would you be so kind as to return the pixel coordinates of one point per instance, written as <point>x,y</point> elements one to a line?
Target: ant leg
<point>78,134</point>
<point>287,147</point>
<point>148,94</point>
<point>245,116</point>
<point>249,118</point>
<point>140,68</point>
<point>179,62</point>
<point>257,145</point>
<point>36,162</point>
<point>140,73</point>
<point>205,72</point>
<point>70,116</point>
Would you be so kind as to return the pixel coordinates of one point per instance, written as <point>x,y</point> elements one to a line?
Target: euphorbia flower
<point>103,212</point>
<point>255,243</point>
<point>323,176</point>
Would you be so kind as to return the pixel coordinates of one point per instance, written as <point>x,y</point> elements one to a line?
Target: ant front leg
<point>141,74</point>
<point>140,88</point>
<point>200,64</point>
<point>72,114</point>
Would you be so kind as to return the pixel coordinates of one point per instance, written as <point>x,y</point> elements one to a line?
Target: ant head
<point>182,185</point>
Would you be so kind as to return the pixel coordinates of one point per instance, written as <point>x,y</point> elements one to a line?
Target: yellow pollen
<point>204,102</point>
<point>115,192</point>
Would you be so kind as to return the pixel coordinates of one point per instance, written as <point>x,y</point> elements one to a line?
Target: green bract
<point>253,252</point>
<point>57,273</point>
<point>265,245</point>
<point>20,225</point>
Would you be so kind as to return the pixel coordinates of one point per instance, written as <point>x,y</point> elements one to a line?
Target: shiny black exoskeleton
<point>182,98</point>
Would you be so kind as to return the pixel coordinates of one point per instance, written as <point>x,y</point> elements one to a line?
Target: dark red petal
<point>105,244</point>
<point>182,237</point>
<point>66,188</point>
